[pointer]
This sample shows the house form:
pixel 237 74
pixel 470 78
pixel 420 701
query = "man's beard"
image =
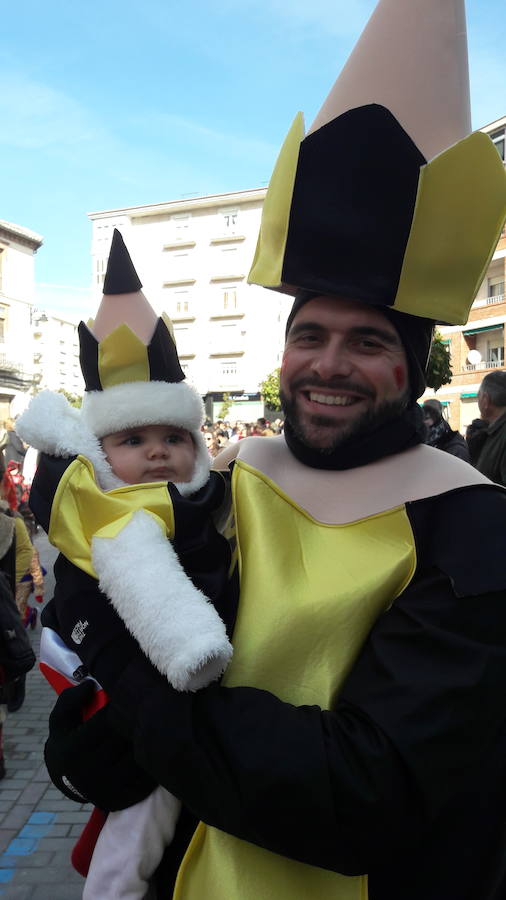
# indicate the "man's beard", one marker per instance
pixel 322 433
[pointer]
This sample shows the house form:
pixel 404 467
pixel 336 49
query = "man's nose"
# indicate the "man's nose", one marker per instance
pixel 332 359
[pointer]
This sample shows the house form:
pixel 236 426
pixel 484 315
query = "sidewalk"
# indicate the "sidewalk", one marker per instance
pixel 38 825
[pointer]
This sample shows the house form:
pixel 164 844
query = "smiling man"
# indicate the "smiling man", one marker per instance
pixel 356 746
pixel 344 372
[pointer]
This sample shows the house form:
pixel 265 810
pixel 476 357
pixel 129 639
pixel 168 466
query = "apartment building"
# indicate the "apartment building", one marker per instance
pixel 56 354
pixel 18 247
pixel 193 258
pixel 478 347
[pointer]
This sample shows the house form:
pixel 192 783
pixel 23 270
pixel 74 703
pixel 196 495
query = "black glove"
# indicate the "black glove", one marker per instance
pixel 88 761
pixel 89 624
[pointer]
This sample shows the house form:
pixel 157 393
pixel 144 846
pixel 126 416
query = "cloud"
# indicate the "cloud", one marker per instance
pixel 35 116
pixel 180 132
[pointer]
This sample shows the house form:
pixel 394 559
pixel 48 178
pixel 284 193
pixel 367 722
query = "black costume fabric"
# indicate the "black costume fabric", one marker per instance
pixel 377 791
pixel 352 241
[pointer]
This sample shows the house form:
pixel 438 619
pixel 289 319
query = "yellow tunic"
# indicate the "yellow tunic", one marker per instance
pixel 298 631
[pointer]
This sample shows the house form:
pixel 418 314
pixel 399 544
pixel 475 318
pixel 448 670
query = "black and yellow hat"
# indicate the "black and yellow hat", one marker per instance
pixel 129 359
pixel 388 199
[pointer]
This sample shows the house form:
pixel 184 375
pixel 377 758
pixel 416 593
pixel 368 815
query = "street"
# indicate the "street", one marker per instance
pixel 38 825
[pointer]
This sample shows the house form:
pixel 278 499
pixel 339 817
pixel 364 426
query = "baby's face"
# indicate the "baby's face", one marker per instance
pixel 151 453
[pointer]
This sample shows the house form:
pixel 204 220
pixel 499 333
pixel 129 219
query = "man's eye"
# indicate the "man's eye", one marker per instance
pixel 369 346
pixel 308 338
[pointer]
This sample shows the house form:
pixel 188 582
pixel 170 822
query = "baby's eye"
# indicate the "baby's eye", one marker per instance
pixel 173 438
pixel 132 441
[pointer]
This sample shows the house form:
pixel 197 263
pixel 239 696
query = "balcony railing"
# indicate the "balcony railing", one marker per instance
pixel 484 364
pixel 11 365
pixel 490 301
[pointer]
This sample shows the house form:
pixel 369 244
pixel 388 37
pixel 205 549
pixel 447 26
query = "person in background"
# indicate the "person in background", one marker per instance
pixel 14 449
pixel 16 558
pixel 491 460
pixel 439 433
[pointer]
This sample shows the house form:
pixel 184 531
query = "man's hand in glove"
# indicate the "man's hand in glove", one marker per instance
pixel 88 761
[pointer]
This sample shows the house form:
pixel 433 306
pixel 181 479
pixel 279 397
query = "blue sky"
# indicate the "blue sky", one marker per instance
pixel 107 104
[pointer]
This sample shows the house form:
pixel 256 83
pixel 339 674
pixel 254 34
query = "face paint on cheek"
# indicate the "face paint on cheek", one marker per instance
pixel 400 376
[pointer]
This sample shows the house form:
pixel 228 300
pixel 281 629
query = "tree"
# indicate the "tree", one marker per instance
pixel 439 370
pixel 225 406
pixel 73 399
pixel 269 389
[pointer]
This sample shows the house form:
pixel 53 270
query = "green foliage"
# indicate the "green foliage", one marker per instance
pixel 225 406
pixel 439 370
pixel 73 399
pixel 270 391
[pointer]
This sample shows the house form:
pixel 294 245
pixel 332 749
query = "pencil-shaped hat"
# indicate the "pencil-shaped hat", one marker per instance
pixel 388 199
pixel 129 359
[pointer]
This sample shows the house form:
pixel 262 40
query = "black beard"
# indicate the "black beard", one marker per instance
pixel 368 422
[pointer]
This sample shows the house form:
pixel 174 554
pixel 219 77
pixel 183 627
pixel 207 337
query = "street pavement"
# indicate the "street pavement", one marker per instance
pixel 38 825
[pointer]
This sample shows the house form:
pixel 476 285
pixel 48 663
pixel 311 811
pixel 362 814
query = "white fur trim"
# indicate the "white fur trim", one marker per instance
pixel 138 403
pixel 53 426
pixel 174 623
pixel 201 470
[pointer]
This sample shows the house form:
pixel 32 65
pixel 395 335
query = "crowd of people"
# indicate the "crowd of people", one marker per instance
pixel 223 433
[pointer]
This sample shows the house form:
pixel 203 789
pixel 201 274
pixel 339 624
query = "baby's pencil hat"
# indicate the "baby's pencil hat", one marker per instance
pixel 129 359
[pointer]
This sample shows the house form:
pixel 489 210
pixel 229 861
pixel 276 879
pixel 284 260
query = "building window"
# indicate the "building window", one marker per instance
pixel 229 220
pixel 499 139
pixel 495 290
pixel 495 355
pixel 181 304
pixel 229 298
pixel 3 323
pixel 228 369
pixel 2 257
pixel 181 226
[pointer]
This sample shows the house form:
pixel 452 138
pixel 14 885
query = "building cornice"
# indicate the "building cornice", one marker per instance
pixel 10 232
pixel 186 205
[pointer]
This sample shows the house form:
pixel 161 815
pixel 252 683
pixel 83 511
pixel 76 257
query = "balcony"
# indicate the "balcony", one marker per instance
pixel 483 365
pixel 495 298
pixel 13 373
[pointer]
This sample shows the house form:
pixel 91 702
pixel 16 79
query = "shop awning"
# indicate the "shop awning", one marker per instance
pixel 484 328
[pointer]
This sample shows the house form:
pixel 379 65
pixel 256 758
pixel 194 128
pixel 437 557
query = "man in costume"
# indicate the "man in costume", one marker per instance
pixel 356 746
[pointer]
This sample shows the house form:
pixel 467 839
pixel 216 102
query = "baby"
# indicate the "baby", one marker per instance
pixel 116 490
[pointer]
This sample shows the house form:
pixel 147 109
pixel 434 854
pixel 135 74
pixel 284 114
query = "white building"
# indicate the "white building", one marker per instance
pixel 18 246
pixel 56 354
pixel 193 258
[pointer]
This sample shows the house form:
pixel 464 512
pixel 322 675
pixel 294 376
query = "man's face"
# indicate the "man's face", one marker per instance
pixel 483 404
pixel 344 371
pixel 151 453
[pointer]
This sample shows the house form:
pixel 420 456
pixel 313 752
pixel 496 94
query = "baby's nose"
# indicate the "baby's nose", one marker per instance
pixel 159 448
